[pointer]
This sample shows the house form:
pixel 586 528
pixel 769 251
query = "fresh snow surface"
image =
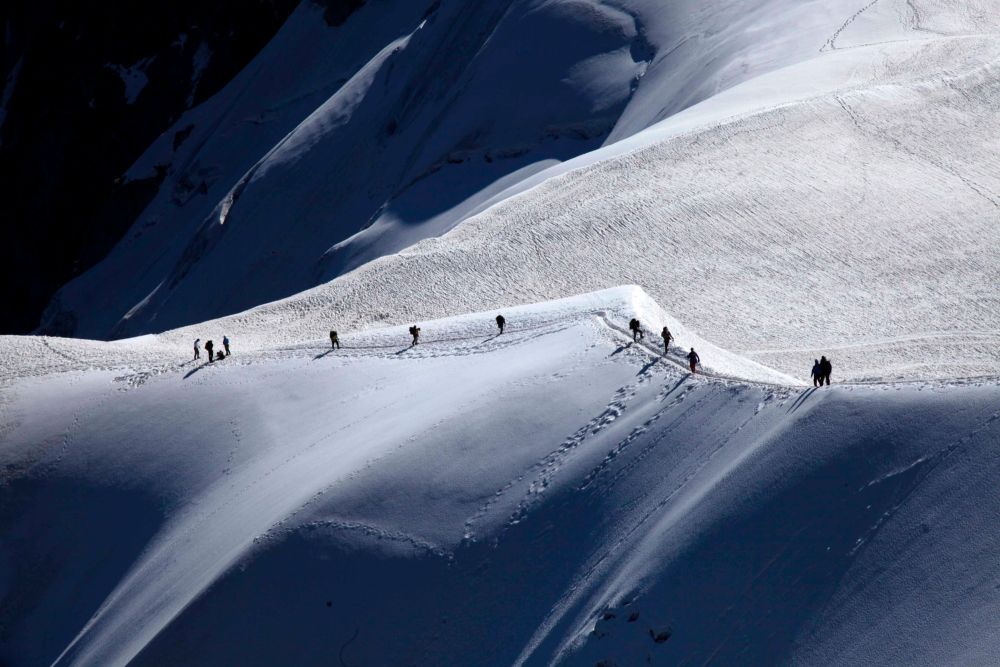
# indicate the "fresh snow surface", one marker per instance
pixel 552 495
pixel 862 223
pixel 787 179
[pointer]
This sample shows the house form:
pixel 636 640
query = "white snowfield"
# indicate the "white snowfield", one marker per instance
pixel 862 223
pixel 773 180
pixel 846 201
pixel 814 177
pixel 556 494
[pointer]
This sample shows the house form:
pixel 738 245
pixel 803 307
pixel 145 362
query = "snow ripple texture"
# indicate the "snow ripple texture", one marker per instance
pixel 842 200
pixel 862 224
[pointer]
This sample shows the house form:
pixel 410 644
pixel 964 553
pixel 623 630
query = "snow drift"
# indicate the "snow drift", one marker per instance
pixel 556 494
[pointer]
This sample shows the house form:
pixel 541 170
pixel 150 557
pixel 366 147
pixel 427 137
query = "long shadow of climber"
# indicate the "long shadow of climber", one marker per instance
pixel 195 370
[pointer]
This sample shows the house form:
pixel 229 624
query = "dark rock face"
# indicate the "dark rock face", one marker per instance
pixel 336 12
pixel 87 85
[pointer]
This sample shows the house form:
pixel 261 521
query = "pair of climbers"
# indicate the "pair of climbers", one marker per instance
pixel 210 347
pixel 692 356
pixel 821 370
pixel 415 330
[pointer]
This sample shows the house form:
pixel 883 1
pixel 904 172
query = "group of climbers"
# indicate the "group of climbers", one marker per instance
pixel 210 347
pixel 637 334
pixel 821 370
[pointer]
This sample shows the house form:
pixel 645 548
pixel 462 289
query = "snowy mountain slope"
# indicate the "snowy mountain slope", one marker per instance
pixel 335 147
pixel 861 221
pixel 860 185
pixel 85 88
pixel 552 495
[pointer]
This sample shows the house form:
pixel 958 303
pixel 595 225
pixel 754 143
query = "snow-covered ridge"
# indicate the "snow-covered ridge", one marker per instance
pixel 153 355
pixel 859 219
pixel 334 147
pixel 842 199
pixel 554 494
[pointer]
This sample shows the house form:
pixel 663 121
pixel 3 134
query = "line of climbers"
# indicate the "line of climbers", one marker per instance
pixel 821 370
pixel 209 347
pixel 637 334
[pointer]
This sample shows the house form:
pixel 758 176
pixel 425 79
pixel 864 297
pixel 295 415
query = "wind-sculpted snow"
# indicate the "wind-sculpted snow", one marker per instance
pixel 861 222
pixel 556 494
pixel 339 145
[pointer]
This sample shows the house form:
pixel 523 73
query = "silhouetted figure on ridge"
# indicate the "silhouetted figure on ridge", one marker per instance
pixel 415 332
pixel 197 349
pixel 500 322
pixel 694 359
pixel 334 340
pixel 665 334
pixel 225 344
pixel 208 348
pixel 825 369
pixel 816 373
pixel 636 329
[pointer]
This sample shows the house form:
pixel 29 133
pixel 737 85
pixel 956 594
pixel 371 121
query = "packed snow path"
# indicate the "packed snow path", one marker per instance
pixel 554 494
pixel 140 358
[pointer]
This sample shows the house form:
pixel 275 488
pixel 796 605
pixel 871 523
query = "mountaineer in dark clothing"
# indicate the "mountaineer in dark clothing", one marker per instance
pixel 500 322
pixel 825 369
pixel 636 328
pixel 816 373
pixel 665 334
pixel 694 359
pixel 334 340
pixel 208 348
pixel 415 332
pixel 225 344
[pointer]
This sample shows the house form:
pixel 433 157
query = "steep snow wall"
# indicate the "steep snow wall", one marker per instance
pixel 555 494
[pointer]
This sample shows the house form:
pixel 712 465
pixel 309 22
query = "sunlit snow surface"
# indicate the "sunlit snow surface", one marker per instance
pixel 797 179
pixel 786 178
pixel 487 499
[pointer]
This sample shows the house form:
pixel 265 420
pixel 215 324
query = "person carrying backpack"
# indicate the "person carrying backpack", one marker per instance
pixel 334 340
pixel 225 344
pixel 825 369
pixel 197 349
pixel 636 328
pixel 415 332
pixel 694 359
pixel 665 334
pixel 500 322
pixel 816 373
pixel 208 348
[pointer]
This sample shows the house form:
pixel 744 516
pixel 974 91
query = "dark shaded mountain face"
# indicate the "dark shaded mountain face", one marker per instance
pixel 87 86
